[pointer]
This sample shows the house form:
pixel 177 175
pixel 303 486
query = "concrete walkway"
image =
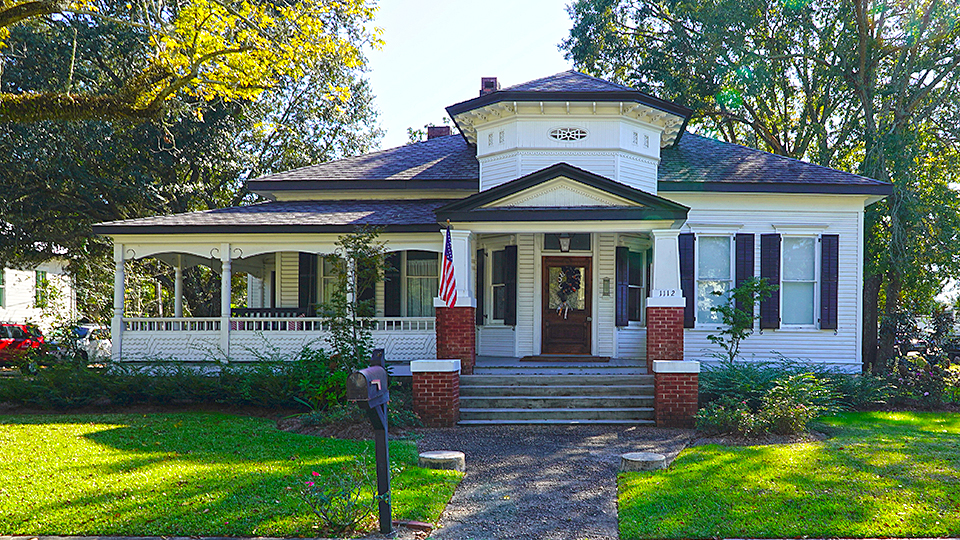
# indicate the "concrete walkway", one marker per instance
pixel 550 482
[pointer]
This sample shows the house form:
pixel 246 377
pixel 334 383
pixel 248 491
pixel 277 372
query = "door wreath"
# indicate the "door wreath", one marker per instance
pixel 569 282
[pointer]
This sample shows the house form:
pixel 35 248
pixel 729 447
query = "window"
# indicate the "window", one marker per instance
pixel 40 296
pixel 714 275
pixel 636 281
pixel 499 286
pixel 798 286
pixel 328 279
pixel 3 288
pixel 423 271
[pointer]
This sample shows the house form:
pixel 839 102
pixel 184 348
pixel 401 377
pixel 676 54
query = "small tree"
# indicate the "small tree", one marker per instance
pixel 359 265
pixel 737 315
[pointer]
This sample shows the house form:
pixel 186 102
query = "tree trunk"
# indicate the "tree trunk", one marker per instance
pixel 871 321
pixel 888 330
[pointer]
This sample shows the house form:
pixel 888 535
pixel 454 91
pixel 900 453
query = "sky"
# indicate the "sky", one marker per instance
pixel 436 51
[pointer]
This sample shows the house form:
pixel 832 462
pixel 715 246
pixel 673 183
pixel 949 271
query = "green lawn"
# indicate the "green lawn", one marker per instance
pixel 179 474
pixel 880 475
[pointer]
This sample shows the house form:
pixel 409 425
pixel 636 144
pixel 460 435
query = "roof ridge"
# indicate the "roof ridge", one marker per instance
pixel 785 158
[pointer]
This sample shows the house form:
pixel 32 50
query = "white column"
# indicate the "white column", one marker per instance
pixel 178 287
pixel 116 324
pixel 462 244
pixel 665 279
pixel 225 294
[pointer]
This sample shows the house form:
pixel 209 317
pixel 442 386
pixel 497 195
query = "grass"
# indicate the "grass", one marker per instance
pixel 191 474
pixel 880 475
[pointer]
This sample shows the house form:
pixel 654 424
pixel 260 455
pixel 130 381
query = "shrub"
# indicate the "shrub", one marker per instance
pixel 728 416
pixel 793 402
pixel 341 498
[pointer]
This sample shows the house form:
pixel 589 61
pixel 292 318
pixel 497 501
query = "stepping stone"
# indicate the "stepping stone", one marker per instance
pixel 642 461
pixel 448 460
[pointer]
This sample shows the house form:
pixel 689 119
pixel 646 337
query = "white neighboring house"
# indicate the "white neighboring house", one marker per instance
pixel 586 222
pixel 41 295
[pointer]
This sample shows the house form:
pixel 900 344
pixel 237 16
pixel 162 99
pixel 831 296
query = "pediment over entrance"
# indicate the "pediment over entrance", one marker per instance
pixel 562 192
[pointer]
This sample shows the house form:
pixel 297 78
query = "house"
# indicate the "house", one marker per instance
pixel 38 295
pixel 585 220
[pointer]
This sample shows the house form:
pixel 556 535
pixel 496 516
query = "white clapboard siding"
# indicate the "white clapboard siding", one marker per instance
pixel 526 295
pixel 632 342
pixel 289 279
pixel 497 170
pixel 638 173
pixel 605 267
pixel 19 296
pixel 497 341
pixel 839 349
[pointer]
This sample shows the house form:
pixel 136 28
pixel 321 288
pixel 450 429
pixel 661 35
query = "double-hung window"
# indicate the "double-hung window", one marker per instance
pixel 798 287
pixel 714 276
pixel 635 283
pixel 423 271
pixel 499 287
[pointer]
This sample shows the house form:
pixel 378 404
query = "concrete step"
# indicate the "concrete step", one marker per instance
pixel 555 422
pixel 472 390
pixel 532 371
pixel 583 414
pixel 555 380
pixel 556 402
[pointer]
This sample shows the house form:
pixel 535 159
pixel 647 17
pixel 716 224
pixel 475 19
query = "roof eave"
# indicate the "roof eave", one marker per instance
pixel 778 187
pixel 600 96
pixel 113 230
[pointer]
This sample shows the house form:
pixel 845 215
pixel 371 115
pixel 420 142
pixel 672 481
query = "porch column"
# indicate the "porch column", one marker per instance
pixel 116 324
pixel 178 287
pixel 456 326
pixel 225 294
pixel 675 400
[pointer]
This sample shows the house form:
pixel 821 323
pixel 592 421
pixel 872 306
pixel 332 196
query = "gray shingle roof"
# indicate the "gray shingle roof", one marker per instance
pixel 292 216
pixel 568 81
pixel 439 159
pixel 697 163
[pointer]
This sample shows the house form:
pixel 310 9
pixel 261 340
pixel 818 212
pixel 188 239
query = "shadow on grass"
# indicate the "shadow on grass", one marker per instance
pixel 177 474
pixel 881 476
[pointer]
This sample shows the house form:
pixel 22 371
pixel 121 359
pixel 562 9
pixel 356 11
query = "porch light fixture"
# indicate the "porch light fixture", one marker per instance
pixel 565 242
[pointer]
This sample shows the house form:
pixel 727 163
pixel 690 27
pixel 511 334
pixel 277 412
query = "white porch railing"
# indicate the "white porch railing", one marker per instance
pixel 250 338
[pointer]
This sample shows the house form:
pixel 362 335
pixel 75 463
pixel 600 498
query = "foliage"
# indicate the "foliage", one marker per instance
pixel 728 416
pixel 194 474
pixel 737 314
pixel 210 49
pixel 341 498
pixel 62 177
pixel 880 475
pixel 866 86
pixel 359 265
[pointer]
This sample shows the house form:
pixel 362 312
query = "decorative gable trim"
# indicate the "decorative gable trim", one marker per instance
pixel 561 192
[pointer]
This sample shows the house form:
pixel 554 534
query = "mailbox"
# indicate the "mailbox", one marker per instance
pixel 368 387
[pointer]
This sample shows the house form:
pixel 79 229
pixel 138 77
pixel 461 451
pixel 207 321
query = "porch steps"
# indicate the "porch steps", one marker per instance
pixel 524 396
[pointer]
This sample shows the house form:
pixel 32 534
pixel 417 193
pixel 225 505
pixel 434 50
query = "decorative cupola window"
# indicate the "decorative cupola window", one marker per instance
pixel 567 134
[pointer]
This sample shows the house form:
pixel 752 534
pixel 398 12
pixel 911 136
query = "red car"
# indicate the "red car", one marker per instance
pixel 15 338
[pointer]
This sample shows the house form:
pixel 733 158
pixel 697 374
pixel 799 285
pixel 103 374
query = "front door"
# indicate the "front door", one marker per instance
pixel 566 305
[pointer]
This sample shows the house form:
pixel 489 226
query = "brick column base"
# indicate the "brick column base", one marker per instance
pixel 457 336
pixel 436 391
pixel 664 334
pixel 676 393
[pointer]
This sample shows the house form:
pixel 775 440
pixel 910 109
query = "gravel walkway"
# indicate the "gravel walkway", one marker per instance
pixel 551 482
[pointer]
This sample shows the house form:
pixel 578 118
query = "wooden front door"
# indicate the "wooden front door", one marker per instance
pixel 567 299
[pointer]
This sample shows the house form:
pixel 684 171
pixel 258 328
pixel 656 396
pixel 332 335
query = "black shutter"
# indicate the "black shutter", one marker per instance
pixel 686 280
pixel 744 258
pixel 481 260
pixel 829 275
pixel 391 286
pixel 510 285
pixel 623 287
pixel 770 270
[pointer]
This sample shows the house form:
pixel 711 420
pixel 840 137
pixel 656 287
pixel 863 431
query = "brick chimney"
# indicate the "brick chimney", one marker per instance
pixel 437 131
pixel 488 85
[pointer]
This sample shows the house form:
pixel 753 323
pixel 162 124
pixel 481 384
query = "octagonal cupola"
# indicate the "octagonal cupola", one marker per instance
pixel 608 129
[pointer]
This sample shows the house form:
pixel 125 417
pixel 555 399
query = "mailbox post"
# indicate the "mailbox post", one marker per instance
pixel 368 389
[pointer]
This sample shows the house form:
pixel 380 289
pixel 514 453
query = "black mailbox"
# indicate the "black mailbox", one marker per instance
pixel 368 386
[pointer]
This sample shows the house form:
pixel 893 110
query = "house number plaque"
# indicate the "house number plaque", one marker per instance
pixel 665 293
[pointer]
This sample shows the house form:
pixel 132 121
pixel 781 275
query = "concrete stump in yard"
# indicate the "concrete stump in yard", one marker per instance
pixel 443 459
pixel 642 461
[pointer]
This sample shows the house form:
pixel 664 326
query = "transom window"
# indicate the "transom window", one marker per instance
pixel 714 275
pixel 568 134
pixel 798 280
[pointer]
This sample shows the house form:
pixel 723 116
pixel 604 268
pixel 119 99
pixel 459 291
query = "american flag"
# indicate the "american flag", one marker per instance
pixel 448 283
